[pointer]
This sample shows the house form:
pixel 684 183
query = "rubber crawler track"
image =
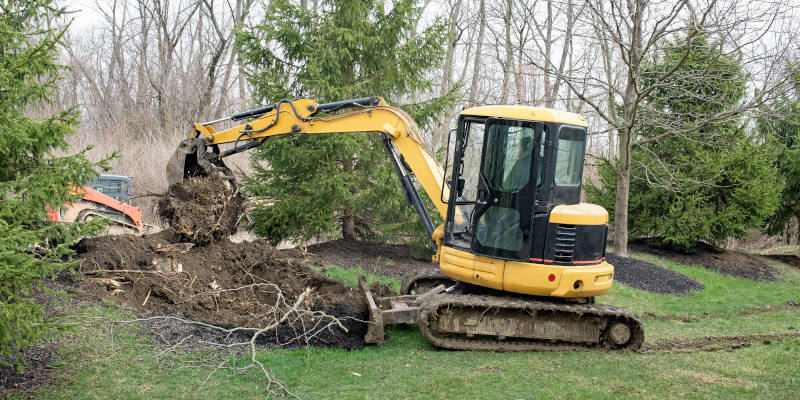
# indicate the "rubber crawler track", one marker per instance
pixel 429 311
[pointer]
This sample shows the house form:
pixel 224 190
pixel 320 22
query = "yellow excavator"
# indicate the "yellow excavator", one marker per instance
pixel 520 258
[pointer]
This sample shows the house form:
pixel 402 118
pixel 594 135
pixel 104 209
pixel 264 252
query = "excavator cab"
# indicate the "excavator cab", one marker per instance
pixel 514 172
pixel 519 217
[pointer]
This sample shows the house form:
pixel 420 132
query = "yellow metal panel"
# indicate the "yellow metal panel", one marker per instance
pixel 489 271
pixel 579 214
pixel 527 113
pixel 591 281
pixel 531 278
pixel 471 268
pixel 456 264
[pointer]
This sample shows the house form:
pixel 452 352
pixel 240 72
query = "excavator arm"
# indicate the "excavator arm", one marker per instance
pixel 397 129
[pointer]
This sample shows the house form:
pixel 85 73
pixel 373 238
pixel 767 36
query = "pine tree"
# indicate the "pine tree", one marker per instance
pixel 783 133
pixel 710 184
pixel 345 49
pixel 32 177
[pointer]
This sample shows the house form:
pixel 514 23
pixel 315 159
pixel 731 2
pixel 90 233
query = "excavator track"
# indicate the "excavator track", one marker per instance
pixel 490 323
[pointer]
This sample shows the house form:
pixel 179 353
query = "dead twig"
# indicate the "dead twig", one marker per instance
pixel 147 297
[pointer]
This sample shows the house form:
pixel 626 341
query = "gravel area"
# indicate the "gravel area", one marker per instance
pixel 650 277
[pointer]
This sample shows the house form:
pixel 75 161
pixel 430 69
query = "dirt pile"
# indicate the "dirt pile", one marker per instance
pixel 193 270
pixel 201 210
pixel 227 284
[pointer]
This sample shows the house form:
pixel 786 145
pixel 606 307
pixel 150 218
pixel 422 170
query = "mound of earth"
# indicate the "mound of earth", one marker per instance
pixel 226 284
pixel 727 262
pixel 650 277
pixel 201 210
pixel 381 258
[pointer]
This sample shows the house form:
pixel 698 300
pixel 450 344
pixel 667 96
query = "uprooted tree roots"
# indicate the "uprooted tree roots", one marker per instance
pixel 201 210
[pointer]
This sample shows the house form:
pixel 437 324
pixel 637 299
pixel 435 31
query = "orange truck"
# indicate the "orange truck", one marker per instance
pixel 105 197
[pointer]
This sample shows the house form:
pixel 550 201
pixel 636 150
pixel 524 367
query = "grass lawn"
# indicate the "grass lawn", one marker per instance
pixel 92 365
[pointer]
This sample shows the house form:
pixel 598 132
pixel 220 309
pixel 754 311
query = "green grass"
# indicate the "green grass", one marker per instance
pixel 350 276
pixel 92 365
pixel 722 293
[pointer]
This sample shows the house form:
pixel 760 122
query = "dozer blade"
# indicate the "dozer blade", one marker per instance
pixel 191 159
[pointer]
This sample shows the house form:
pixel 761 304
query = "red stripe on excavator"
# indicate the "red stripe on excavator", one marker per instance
pixel 574 262
pixel 587 262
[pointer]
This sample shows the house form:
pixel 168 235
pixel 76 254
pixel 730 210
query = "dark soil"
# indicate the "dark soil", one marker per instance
pixel 36 362
pixel 381 258
pixel 650 277
pixel 223 283
pixel 201 210
pixel 727 262
pixel 794 261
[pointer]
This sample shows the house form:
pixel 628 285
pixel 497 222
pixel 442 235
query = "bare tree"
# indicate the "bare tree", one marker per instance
pixel 476 62
pixel 147 69
pixel 454 34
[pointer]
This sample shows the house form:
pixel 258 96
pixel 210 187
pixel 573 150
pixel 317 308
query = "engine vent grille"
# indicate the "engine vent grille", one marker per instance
pixel 564 244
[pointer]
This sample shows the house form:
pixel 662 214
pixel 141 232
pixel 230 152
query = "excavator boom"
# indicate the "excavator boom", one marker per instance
pixel 306 116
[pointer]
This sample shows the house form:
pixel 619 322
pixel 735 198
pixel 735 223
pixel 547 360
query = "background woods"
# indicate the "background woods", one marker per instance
pixel 143 70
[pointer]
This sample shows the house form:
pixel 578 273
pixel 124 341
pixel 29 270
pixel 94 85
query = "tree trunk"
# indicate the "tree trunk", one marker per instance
pixel 348 224
pixel 630 102
pixel 447 71
pixel 509 63
pixel 623 192
pixel 549 99
pixel 476 66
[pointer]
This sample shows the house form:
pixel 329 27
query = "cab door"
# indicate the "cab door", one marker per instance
pixel 501 220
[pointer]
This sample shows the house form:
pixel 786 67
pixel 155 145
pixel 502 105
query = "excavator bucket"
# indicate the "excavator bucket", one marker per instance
pixel 192 159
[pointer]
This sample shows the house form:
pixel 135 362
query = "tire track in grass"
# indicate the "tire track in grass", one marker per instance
pixel 713 343
pixel 790 305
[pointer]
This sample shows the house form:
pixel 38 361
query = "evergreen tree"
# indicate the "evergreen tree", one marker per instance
pixel 342 50
pixel 32 177
pixel 783 132
pixel 709 184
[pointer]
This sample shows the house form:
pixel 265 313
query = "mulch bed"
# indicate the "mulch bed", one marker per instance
pixel 793 261
pixel 727 262
pixel 651 278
